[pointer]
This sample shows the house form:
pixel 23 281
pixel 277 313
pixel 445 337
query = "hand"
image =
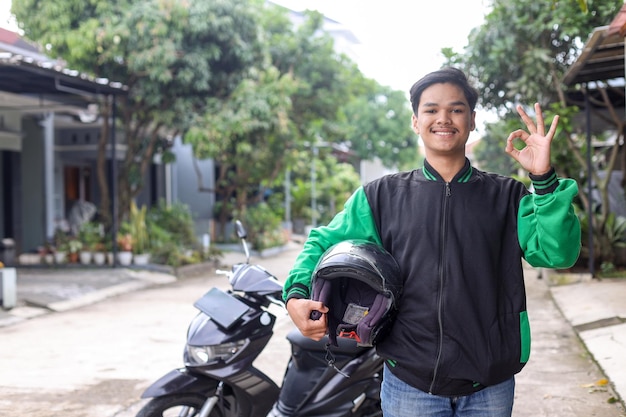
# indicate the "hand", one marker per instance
pixel 300 309
pixel 535 156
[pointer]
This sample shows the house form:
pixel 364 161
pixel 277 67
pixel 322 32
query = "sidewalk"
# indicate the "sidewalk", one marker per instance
pixel 596 309
pixel 42 290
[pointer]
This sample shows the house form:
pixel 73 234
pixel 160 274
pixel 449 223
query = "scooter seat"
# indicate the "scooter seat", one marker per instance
pixel 347 346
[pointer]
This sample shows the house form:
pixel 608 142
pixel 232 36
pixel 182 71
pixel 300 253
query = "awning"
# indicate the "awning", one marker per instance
pixel 602 58
pixel 28 76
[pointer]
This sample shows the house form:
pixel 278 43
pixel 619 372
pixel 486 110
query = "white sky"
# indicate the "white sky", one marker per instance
pixel 401 40
pixel 5 15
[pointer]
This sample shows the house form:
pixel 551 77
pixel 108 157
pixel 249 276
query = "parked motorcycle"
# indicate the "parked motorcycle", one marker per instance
pixel 226 336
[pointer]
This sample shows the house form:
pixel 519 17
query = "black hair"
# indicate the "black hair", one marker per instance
pixel 445 75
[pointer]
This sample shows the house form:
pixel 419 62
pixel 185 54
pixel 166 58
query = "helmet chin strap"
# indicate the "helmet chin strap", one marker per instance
pixel 330 358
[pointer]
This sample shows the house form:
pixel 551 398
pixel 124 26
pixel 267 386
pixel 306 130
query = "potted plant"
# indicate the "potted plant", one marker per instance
pixel 61 246
pixel 47 253
pixel 73 248
pixel 125 246
pixel 107 242
pixel 99 253
pixel 139 232
pixel 90 236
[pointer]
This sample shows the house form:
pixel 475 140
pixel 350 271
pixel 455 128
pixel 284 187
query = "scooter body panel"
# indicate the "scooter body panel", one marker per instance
pixel 179 381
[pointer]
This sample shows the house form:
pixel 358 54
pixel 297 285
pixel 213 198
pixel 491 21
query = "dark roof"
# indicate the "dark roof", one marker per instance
pixel 26 75
pixel 13 39
pixel 602 58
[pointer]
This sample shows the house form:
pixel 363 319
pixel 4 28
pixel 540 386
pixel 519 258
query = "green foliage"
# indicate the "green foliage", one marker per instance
pixel 263 226
pixel 524 48
pixel 139 229
pixel 520 55
pixel 245 136
pixel 609 234
pixel 176 220
pixel 90 235
pixel 334 182
pixel 61 240
pixel 489 152
pixel 378 124
pixel 172 238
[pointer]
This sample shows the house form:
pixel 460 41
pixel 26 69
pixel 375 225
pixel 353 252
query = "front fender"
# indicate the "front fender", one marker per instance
pixel 180 381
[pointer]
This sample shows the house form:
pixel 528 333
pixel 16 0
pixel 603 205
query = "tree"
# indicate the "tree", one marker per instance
pixel 336 182
pixel 244 135
pixel 521 53
pixel 378 124
pixel 236 79
pixel 293 98
pixel 172 56
pixel 489 152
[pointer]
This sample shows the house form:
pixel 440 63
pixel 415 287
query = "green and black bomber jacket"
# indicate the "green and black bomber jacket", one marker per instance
pixel 462 322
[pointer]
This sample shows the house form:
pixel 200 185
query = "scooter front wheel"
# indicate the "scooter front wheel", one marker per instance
pixel 186 405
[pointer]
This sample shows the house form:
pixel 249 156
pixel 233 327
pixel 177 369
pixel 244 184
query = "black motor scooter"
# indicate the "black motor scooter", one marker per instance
pixel 227 335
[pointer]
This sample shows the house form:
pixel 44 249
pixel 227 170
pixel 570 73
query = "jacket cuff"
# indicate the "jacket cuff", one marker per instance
pixel 296 291
pixel 546 183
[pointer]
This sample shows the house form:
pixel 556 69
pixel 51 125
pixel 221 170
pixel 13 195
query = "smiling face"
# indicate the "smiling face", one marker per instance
pixel 444 120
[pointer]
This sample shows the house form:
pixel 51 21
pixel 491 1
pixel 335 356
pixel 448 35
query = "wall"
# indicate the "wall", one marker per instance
pixel 185 186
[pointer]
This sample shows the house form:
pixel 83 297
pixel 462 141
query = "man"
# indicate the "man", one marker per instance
pixel 459 235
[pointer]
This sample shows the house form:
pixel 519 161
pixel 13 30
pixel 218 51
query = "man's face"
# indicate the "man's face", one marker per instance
pixel 443 120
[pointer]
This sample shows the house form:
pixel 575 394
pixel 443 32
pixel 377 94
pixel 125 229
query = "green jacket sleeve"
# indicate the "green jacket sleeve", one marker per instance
pixel 353 222
pixel 548 228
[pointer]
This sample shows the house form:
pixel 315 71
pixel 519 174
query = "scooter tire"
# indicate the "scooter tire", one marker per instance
pixel 174 405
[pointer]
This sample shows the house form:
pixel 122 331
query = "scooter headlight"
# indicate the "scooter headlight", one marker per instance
pixel 203 355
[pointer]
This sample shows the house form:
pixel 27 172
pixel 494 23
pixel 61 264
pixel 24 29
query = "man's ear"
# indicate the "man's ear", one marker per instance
pixel 414 125
pixel 473 122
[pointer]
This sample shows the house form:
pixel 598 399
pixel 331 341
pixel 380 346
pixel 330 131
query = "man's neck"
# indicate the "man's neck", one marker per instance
pixel 447 167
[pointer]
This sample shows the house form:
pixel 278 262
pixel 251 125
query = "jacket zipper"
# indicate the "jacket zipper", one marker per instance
pixel 444 229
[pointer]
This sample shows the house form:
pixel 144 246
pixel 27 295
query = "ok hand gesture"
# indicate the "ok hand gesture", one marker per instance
pixel 535 156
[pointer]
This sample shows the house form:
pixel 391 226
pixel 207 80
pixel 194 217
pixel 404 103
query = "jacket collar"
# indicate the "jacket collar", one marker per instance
pixel 463 175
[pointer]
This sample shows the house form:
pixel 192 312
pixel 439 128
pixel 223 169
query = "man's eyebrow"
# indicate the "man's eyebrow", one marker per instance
pixel 453 103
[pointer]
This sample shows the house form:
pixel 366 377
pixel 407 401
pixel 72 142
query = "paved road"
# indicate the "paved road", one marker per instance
pixel 96 360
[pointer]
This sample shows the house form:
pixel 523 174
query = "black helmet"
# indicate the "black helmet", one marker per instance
pixel 360 283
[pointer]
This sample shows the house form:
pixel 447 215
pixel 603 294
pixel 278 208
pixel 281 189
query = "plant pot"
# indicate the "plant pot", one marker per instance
pixel 125 257
pixel 73 257
pixel 141 258
pixel 60 257
pixel 110 259
pixel 85 257
pixel 99 258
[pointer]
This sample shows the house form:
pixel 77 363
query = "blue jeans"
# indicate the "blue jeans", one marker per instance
pixel 399 399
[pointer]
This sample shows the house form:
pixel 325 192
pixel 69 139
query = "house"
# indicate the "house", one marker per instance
pixel 49 129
